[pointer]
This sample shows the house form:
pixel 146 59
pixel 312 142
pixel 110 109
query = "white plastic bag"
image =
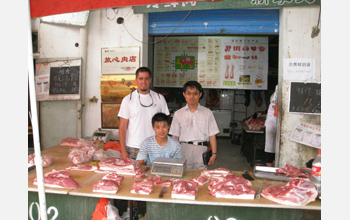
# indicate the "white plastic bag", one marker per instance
pixel 112 213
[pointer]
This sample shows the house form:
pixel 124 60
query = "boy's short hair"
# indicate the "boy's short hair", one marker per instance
pixel 143 69
pixel 192 84
pixel 160 116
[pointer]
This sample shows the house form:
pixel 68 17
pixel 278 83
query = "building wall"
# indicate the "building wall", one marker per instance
pixel 104 31
pixel 295 42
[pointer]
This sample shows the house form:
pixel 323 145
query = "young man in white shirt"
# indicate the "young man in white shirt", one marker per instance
pixel 195 127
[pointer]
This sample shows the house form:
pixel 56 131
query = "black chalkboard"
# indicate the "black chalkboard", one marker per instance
pixel 305 97
pixel 64 80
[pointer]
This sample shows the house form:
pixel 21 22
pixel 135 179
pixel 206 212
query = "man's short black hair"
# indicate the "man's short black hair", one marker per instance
pixel 160 116
pixel 192 84
pixel 144 69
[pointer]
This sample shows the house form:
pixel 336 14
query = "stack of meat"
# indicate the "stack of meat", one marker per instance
pixel 84 153
pixel 232 187
pixel 46 159
pixel 184 189
pixel 110 183
pixel 292 171
pixel 297 192
pixel 143 187
pixel 121 166
pixel 59 179
pixel 201 180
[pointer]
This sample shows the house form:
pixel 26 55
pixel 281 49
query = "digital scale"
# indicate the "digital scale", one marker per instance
pixel 168 167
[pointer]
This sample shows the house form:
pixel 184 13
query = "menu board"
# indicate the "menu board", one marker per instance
pixel 215 62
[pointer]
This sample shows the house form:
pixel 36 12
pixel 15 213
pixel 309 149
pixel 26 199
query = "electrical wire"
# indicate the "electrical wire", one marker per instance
pixel 166 36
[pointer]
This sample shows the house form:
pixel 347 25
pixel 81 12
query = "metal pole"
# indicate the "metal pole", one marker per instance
pixel 35 124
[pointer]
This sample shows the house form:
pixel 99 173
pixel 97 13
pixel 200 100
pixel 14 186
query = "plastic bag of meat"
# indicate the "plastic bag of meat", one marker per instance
pixel 297 192
pixel 219 172
pixel 184 189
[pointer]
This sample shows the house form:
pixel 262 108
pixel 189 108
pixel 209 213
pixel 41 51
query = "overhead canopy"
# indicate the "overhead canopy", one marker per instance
pixel 40 8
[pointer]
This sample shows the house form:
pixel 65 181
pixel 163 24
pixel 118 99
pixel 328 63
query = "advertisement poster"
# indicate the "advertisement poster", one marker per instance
pixel 307 134
pixel 120 60
pixel 215 62
pixel 115 87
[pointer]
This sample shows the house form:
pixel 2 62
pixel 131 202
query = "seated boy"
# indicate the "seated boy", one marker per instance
pixel 160 145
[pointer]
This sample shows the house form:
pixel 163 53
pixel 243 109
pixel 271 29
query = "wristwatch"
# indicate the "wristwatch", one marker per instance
pixel 215 153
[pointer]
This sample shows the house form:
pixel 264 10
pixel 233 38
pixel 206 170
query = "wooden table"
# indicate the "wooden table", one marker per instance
pixel 68 201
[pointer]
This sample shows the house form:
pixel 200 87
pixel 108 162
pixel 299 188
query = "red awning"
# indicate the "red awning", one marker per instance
pixel 40 8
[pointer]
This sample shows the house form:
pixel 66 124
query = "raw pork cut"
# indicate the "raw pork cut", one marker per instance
pixel 140 175
pixel 201 180
pixel 164 183
pixel 219 172
pixel 110 183
pixel 292 171
pixel 184 189
pixel 74 142
pixel 142 187
pixel 297 192
pixel 105 186
pixel 46 159
pixel 83 167
pixel 59 179
pixel 232 187
pixel 121 166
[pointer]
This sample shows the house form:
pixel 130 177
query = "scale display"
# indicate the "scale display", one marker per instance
pixel 168 167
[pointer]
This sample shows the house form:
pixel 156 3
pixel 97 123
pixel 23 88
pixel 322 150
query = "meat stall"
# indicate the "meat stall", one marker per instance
pixel 80 203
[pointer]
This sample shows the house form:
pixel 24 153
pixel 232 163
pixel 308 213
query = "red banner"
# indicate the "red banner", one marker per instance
pixel 40 8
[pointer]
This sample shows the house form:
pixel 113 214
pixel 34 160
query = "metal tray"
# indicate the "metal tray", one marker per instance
pixel 270 173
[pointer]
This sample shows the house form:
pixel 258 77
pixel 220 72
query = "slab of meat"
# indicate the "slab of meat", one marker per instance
pixel 83 167
pixel 59 179
pixel 70 142
pixel 292 171
pixel 201 180
pixel 142 187
pixel 110 183
pixel 297 192
pixel 219 172
pixel 47 159
pixel 232 187
pixel 184 189
pixel 105 186
pixel 73 142
pixel 121 166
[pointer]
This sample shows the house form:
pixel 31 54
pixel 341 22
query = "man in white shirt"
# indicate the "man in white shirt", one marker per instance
pixel 136 112
pixel 195 126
